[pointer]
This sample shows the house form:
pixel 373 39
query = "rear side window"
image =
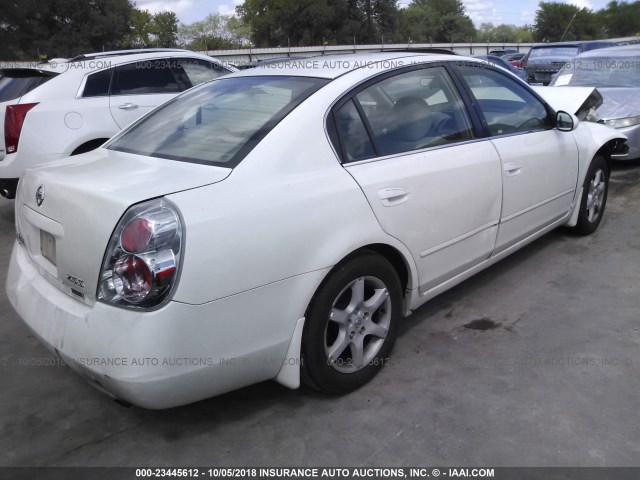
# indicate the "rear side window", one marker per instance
pixel 145 77
pixel 409 111
pixel 553 52
pixel 97 84
pixel 16 83
pixel 218 123
pixel 356 144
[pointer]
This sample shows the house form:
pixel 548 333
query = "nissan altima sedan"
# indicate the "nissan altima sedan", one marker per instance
pixel 280 222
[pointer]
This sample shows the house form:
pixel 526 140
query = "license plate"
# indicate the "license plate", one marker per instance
pixel 48 246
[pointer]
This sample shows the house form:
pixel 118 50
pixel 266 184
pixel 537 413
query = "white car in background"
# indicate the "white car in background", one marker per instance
pixel 67 107
pixel 278 223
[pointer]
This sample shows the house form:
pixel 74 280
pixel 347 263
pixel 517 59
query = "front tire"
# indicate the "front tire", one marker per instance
pixel 594 196
pixel 351 325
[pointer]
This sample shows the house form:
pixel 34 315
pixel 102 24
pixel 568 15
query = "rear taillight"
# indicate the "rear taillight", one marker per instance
pixel 140 267
pixel 13 121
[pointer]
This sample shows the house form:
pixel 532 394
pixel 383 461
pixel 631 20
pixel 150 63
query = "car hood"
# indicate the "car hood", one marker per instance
pixel 576 100
pixel 84 199
pixel 619 103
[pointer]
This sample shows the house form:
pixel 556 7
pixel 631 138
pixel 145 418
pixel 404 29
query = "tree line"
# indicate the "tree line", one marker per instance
pixel 63 28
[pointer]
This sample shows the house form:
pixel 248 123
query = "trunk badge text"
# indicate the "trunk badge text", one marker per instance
pixel 75 281
pixel 40 195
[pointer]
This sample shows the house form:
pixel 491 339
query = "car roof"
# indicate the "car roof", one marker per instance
pixel 334 66
pixel 621 51
pixel 93 61
pixel 572 44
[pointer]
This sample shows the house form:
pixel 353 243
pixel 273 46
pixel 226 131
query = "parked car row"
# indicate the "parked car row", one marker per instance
pixel 65 108
pixel 278 223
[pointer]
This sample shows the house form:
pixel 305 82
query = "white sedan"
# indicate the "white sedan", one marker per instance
pixel 279 223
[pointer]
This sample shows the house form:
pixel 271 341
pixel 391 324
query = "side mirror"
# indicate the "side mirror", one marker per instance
pixel 565 122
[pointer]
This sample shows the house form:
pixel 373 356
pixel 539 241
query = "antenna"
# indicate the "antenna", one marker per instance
pixel 568 25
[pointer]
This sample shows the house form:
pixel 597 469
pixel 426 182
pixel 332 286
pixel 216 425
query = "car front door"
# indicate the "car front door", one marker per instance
pixel 408 141
pixel 539 163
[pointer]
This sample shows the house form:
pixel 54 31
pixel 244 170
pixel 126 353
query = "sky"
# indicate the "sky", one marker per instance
pixel 513 12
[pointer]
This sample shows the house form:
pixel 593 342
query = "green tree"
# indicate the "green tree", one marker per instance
pixel 524 34
pixel 560 21
pixel 141 30
pixel 438 21
pixel 216 31
pixel 310 22
pixel 620 19
pixel 165 30
pixel 64 28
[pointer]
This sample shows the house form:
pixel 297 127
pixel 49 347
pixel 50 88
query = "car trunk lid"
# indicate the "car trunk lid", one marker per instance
pixel 66 213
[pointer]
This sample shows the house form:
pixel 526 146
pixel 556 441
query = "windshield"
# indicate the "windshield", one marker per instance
pixel 16 83
pixel 553 52
pixel 600 72
pixel 217 123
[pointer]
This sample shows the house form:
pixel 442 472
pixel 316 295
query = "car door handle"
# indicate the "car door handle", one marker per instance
pixel 511 169
pixel 390 197
pixel 128 106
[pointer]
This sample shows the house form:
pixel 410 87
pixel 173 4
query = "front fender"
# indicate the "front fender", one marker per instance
pixel 591 139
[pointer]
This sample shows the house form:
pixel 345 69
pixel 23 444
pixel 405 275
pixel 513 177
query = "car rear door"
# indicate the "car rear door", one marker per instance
pixel 139 87
pixel 408 140
pixel 539 163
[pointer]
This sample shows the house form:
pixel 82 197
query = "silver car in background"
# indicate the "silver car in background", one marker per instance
pixel 615 72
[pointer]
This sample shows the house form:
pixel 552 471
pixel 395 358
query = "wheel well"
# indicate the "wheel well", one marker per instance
pixel 611 147
pixel 392 255
pixel 88 146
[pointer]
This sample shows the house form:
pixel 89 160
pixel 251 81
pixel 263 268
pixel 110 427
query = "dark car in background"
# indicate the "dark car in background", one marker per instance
pixel 615 72
pixel 513 57
pixel 544 61
pixel 499 62
pixel 504 51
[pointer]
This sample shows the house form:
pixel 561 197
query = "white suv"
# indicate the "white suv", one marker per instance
pixel 68 107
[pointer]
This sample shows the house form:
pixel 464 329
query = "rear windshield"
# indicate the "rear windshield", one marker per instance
pixel 553 52
pixel 16 83
pixel 217 123
pixel 600 72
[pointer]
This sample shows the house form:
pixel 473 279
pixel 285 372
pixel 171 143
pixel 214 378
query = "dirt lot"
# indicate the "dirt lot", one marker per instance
pixel 549 376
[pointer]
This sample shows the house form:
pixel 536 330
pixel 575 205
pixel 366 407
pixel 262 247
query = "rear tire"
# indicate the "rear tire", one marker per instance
pixel 351 324
pixel 594 196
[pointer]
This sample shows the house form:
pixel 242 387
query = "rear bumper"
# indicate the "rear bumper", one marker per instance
pixel 160 359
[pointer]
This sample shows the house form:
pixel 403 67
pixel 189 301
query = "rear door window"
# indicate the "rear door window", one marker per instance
pixel 144 77
pixel 408 111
